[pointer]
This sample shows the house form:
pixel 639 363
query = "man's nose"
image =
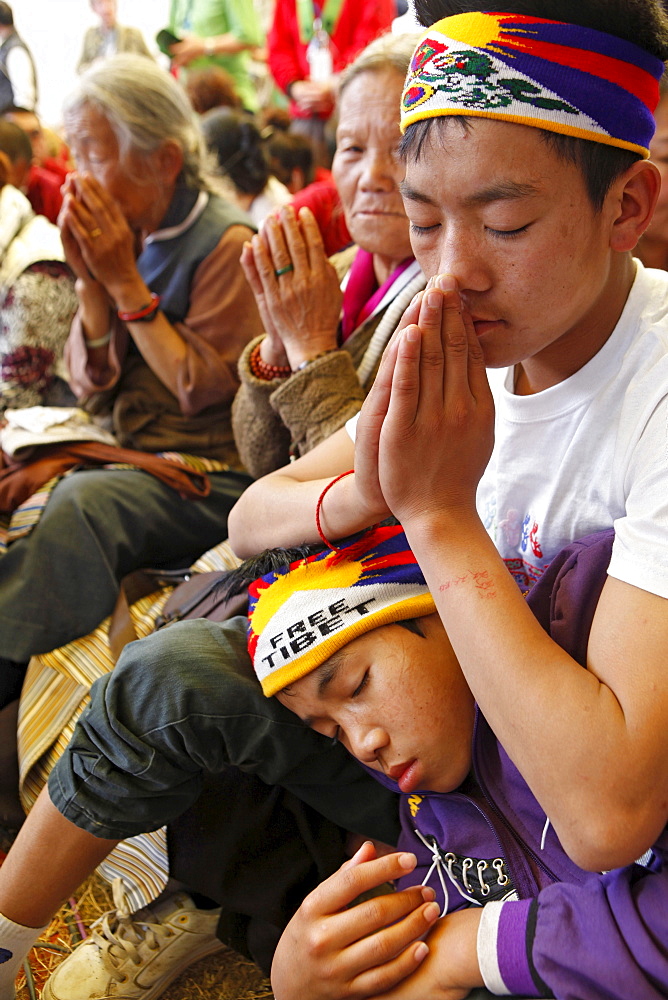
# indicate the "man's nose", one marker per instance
pixel 462 256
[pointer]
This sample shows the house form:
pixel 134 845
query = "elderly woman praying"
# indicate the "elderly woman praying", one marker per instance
pixel 164 312
pixel 327 322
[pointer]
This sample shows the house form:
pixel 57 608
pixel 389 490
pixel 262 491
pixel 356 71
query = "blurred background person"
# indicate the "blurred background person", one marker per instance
pixel 18 78
pixel 164 312
pixel 211 87
pixel 41 187
pixel 291 159
pixel 309 43
pixel 31 124
pixel 222 33
pixel 109 37
pixel 46 174
pixel 37 301
pixel 238 147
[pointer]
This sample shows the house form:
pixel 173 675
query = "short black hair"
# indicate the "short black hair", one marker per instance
pixel 14 142
pixel 643 22
pixel 6 15
pixel 270 561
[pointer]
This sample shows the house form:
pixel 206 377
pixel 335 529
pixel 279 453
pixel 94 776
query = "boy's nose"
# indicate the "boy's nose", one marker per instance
pixel 464 260
pixel 367 742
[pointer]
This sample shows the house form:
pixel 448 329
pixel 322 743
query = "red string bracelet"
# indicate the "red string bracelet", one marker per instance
pixel 143 315
pixel 318 507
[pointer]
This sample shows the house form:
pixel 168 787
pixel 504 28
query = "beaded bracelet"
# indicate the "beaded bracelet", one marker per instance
pixel 263 370
pixel 143 315
pixel 318 509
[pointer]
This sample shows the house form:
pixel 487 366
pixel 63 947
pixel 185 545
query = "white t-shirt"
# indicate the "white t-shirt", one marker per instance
pixel 589 453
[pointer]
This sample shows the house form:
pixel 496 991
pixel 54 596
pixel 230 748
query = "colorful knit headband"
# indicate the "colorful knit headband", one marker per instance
pixel 527 70
pixel 301 615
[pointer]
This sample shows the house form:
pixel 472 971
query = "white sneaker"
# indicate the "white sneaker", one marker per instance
pixel 135 956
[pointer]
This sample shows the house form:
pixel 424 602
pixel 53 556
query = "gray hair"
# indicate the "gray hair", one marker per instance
pixel 144 106
pixel 388 52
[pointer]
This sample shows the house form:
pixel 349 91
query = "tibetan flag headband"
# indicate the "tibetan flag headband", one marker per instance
pixel 302 614
pixel 552 75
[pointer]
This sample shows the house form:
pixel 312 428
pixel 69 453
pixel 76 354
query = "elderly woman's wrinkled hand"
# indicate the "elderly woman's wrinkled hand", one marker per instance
pixel 98 242
pixel 71 246
pixel 296 288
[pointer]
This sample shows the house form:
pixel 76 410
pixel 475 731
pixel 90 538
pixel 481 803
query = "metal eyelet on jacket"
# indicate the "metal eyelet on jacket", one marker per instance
pixel 501 877
pixel 467 863
pixel 484 888
pixel 460 869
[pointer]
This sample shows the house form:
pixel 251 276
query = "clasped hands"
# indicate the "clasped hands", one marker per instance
pixel 295 286
pixel 332 950
pixel 426 430
pixel 98 243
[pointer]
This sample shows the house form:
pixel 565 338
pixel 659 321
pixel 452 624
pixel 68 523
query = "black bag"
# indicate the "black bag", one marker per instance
pixel 201 596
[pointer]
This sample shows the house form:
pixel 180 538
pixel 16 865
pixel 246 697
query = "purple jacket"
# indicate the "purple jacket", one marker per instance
pixel 552 929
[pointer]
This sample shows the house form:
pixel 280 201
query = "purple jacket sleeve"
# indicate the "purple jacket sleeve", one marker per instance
pixel 606 939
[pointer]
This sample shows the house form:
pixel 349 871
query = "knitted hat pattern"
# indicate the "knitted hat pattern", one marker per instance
pixel 531 71
pixel 300 615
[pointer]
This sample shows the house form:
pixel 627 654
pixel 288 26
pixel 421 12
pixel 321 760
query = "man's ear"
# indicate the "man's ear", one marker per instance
pixel 634 195
pixel 170 160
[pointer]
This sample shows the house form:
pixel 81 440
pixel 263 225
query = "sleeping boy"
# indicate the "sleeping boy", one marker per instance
pixel 350 641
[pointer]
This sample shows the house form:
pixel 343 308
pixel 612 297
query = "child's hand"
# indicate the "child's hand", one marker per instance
pixel 450 970
pixel 328 952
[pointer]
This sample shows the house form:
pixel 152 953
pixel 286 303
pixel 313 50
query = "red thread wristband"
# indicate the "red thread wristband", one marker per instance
pixel 143 315
pixel 318 507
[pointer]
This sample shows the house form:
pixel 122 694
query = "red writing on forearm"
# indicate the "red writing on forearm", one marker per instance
pixel 482 581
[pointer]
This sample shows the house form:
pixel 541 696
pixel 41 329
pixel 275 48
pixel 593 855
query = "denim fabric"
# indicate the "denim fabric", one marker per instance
pixel 184 702
pixel 61 580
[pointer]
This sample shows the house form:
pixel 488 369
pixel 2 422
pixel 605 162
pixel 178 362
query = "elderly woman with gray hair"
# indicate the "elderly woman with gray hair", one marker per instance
pixel 164 312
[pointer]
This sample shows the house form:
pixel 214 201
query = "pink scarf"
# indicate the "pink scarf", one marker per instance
pixel 362 294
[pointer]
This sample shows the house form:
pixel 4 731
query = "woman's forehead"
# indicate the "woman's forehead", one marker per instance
pixel 369 91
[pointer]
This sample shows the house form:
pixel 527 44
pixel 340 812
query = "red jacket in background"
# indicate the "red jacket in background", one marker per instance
pixel 360 21
pixel 44 193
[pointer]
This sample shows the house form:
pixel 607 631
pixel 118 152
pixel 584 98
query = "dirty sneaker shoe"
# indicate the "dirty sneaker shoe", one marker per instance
pixel 135 956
